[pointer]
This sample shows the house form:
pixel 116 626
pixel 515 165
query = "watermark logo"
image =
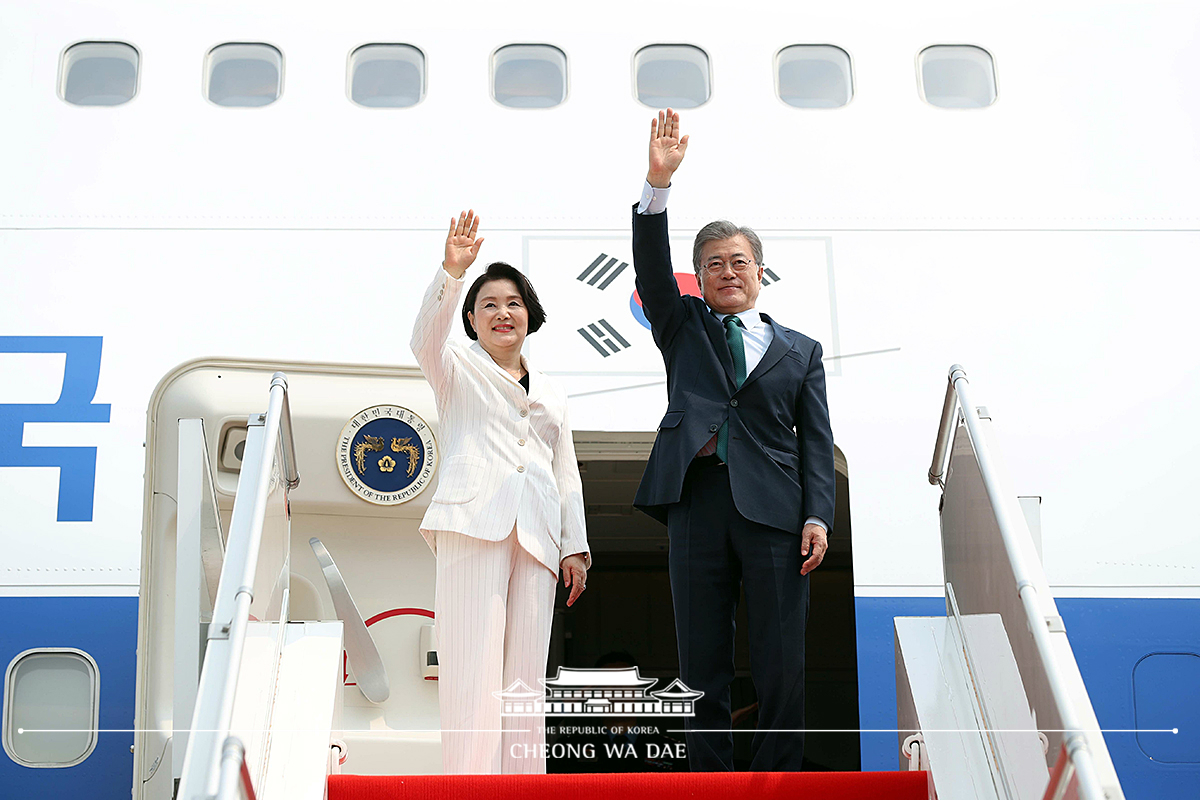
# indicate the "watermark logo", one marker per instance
pixel 598 692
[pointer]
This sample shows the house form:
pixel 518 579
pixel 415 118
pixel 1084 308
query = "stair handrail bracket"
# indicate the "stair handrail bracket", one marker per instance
pixel 937 469
pixel 1014 533
pixel 291 472
pixel 268 465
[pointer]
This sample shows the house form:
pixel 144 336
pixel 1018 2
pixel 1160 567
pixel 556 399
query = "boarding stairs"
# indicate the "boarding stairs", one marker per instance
pixel 990 701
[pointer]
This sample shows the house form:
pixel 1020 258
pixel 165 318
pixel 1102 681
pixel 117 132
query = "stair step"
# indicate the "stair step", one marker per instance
pixel 634 786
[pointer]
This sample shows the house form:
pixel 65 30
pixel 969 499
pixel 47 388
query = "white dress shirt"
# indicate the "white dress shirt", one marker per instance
pixel 654 201
pixel 756 337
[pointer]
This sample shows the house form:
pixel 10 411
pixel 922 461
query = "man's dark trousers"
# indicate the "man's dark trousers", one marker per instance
pixel 712 548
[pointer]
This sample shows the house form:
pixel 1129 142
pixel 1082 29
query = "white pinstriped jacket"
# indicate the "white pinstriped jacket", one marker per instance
pixel 506 456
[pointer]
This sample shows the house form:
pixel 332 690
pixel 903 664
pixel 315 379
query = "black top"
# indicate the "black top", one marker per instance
pixel 525 382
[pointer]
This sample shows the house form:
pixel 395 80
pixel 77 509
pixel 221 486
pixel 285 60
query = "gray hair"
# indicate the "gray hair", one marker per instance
pixel 719 231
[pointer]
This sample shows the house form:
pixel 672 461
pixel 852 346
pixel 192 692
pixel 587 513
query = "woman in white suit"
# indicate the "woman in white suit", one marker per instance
pixel 508 513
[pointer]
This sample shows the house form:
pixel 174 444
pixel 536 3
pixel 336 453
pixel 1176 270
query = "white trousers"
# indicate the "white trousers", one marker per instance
pixel 493 609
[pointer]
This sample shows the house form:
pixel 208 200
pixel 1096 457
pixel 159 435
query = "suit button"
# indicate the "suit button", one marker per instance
pixel 524 413
pixel 520 469
pixel 521 442
pixel 733 402
pixel 714 428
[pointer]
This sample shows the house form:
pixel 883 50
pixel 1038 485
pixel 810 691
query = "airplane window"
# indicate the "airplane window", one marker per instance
pixel 675 75
pixel 51 707
pixel 813 76
pixel 529 76
pixel 98 74
pixel 956 76
pixel 387 76
pixel 243 75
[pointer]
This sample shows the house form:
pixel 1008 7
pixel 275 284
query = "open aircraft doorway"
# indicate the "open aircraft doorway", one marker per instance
pixel 628 607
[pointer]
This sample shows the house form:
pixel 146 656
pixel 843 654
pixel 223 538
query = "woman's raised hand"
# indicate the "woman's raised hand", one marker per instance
pixel 461 244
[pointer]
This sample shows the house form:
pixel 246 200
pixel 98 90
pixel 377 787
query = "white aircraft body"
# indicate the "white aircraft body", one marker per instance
pixel 174 229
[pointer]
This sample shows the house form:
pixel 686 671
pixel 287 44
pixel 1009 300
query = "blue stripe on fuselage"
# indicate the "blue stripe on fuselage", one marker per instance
pixel 1110 636
pixel 106 629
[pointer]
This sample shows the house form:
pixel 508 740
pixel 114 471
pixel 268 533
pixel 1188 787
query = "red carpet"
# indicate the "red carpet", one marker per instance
pixel 634 786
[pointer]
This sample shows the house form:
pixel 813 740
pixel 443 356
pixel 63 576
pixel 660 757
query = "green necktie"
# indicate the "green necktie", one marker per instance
pixel 733 335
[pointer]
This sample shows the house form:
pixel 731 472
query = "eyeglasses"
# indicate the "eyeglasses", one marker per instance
pixel 739 265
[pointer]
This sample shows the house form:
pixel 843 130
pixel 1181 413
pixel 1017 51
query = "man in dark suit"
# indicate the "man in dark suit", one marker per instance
pixel 741 472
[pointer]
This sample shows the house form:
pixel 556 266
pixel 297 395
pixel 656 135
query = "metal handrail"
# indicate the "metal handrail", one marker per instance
pixel 235 774
pixel 231 612
pixel 278 411
pixel 958 394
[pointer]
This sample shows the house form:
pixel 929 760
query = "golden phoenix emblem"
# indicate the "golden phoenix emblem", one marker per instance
pixel 371 444
pixel 406 446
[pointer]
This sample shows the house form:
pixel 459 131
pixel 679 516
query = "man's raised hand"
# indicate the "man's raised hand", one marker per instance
pixel 461 244
pixel 666 149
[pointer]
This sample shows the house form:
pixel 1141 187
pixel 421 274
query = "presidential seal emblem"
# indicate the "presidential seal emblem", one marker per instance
pixel 386 455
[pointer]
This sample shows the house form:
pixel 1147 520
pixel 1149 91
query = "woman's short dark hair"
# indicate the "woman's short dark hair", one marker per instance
pixel 498 271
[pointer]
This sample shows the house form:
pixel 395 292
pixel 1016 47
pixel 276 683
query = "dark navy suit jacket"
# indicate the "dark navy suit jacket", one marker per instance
pixel 780 443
